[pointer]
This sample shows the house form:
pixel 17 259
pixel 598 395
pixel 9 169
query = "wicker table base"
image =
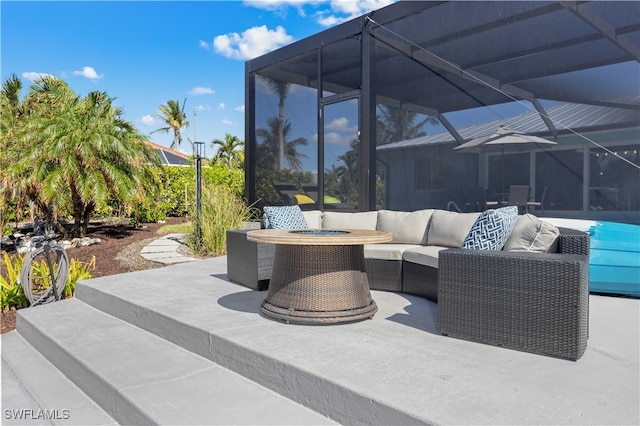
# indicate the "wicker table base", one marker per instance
pixel 319 285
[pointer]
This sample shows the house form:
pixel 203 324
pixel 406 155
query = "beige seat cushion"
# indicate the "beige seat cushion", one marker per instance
pixel 533 235
pixel 387 251
pixel 343 220
pixel 313 218
pixel 449 229
pixel 406 227
pixel 424 255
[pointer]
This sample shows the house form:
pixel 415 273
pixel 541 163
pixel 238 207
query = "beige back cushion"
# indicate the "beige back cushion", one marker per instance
pixel 449 229
pixel 313 218
pixel 533 234
pixel 343 220
pixel 406 227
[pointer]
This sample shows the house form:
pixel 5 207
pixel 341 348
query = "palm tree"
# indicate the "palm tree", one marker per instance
pixel 175 119
pixel 268 150
pixel 395 124
pixel 11 114
pixel 227 152
pixel 19 125
pixel 347 173
pixel 281 88
pixel 81 151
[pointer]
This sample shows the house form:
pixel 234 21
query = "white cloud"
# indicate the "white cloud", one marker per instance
pixel 276 4
pixel 196 91
pixel 203 108
pixel 33 76
pixel 239 108
pixel 329 13
pixel 336 138
pixel 329 21
pixel 88 72
pixel 148 120
pixel 280 6
pixel 204 44
pixel 228 122
pixel 340 125
pixel 251 43
pixel 221 105
pixel 344 10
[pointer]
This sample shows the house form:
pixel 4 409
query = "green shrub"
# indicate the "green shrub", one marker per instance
pixel 78 270
pixel 222 209
pixel 11 294
pixel 173 193
pixel 149 211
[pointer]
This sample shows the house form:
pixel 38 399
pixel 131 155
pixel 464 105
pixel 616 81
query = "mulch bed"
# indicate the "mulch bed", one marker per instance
pixel 117 253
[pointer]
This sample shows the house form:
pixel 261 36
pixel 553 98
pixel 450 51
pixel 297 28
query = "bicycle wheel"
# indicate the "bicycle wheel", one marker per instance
pixel 42 268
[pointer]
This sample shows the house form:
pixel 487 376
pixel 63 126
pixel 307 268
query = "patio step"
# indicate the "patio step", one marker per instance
pixel 202 312
pixel 136 377
pixel 34 391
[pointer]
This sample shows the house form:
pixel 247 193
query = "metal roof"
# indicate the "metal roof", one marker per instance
pixel 579 118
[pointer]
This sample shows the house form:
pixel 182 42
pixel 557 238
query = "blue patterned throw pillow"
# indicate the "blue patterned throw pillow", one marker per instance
pixel 492 229
pixel 285 217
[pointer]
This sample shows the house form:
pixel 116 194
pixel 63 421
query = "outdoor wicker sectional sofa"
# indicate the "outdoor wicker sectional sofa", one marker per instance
pixel 535 299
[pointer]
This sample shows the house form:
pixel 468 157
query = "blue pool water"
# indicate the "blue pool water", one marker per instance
pixel 614 261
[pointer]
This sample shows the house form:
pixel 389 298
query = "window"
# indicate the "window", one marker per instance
pixel 613 181
pixel 561 173
pixel 423 173
pixel 429 174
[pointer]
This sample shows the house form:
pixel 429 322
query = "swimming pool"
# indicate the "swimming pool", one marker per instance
pixel 614 261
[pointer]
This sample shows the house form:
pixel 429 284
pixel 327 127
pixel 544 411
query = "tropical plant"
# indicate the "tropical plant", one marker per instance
pixel 173 116
pixel 222 209
pixel 266 152
pixel 345 176
pixel 78 270
pixel 281 88
pixel 394 124
pixel 173 191
pixel 73 154
pixel 11 293
pixel 89 153
pixel 228 153
pixel 17 186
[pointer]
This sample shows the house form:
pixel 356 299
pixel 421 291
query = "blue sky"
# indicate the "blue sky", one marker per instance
pixel 147 52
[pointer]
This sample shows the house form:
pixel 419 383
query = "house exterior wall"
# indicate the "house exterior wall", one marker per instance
pixel 585 179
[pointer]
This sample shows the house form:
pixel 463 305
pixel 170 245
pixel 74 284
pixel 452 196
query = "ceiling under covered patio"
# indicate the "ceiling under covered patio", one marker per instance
pixel 356 104
pixel 455 56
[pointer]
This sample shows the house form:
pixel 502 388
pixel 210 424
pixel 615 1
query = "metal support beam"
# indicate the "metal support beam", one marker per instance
pixel 545 118
pixel 450 128
pixel 583 12
pixel 367 124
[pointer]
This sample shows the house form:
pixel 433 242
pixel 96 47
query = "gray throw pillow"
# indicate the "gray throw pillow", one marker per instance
pixel 534 235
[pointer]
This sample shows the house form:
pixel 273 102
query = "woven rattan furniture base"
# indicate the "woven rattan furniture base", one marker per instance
pixel 322 283
pixel 248 263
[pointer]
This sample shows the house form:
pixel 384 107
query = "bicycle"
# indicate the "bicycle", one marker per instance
pixel 44 273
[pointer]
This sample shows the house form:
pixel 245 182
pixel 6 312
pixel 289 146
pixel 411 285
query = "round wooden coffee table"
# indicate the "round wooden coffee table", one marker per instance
pixel 318 274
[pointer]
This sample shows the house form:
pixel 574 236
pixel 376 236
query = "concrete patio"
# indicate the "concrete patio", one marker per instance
pixel 183 345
